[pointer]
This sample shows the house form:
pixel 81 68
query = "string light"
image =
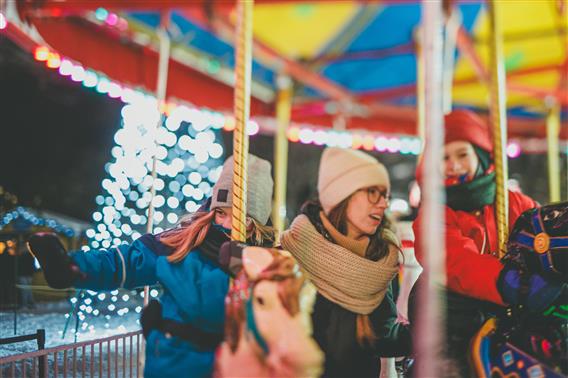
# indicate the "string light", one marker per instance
pixel 513 150
pixel 202 118
pixel 53 60
pixel 30 219
pixel 3 21
pixel 41 53
pixel 110 19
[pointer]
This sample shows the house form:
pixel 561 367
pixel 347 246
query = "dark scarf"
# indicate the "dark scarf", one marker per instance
pixel 218 248
pixel 212 243
pixel 473 195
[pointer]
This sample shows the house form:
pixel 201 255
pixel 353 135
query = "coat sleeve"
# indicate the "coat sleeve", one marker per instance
pixel 467 271
pixel 393 339
pixel 128 265
pixel 519 203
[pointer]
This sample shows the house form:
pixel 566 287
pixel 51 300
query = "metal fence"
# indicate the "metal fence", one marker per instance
pixel 115 356
pixel 39 337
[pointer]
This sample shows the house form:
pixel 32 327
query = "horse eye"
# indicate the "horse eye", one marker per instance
pixel 260 301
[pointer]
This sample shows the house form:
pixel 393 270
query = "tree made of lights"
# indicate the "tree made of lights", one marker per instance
pixel 189 152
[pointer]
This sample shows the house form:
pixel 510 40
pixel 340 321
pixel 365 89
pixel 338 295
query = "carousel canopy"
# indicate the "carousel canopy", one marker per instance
pixel 350 61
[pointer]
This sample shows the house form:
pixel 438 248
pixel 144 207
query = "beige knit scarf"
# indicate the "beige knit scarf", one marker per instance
pixel 342 276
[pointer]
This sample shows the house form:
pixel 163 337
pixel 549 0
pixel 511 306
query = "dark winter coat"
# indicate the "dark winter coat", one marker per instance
pixel 335 332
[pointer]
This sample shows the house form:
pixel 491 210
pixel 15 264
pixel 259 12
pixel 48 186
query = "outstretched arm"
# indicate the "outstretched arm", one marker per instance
pixel 128 265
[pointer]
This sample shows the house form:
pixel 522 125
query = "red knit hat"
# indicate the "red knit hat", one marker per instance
pixel 463 125
pixel 467 126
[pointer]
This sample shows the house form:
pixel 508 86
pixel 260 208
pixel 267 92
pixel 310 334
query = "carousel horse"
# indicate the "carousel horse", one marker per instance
pixel 267 326
pixel 524 343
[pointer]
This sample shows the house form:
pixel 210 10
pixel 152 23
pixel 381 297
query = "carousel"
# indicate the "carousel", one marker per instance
pixel 375 76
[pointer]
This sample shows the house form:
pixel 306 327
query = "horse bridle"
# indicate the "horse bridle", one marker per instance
pixel 251 323
pixel 250 318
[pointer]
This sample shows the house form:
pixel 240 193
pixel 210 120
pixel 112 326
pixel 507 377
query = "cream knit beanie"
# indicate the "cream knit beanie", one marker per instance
pixel 259 188
pixel 344 171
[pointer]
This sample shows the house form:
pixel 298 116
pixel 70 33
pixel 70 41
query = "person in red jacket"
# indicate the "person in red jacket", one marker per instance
pixel 478 284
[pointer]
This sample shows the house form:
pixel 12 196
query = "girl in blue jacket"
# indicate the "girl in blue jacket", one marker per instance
pixel 184 328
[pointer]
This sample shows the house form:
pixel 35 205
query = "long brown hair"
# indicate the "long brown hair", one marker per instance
pixel 380 242
pixel 379 247
pixel 192 232
pixel 188 235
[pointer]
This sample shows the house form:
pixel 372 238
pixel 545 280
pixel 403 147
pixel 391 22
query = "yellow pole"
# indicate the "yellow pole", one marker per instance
pixel 498 113
pixel 283 110
pixel 552 138
pixel 243 68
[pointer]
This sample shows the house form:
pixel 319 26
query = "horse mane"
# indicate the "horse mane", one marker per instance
pixel 284 270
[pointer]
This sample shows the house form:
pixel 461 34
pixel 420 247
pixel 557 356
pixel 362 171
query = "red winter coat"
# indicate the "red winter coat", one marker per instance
pixel 468 271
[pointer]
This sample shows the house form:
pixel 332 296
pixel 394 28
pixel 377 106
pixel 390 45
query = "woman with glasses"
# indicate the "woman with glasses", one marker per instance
pixel 344 243
pixel 184 328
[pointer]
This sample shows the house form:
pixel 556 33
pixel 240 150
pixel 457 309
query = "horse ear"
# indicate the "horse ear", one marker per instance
pixel 255 260
pixel 282 252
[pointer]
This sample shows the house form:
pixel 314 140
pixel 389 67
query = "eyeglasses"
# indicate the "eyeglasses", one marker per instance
pixel 374 195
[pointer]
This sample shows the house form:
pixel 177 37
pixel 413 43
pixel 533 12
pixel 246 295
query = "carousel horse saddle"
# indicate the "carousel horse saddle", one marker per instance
pixel 523 343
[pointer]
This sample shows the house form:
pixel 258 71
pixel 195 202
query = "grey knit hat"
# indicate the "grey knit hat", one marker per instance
pixel 259 188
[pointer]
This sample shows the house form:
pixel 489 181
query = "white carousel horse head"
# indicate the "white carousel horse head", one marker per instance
pixel 266 333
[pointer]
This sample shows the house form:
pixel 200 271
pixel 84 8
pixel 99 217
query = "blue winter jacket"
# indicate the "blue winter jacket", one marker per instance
pixel 194 292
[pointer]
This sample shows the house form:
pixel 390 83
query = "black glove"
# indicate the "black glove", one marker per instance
pixel 231 256
pixel 534 291
pixel 151 317
pixel 58 268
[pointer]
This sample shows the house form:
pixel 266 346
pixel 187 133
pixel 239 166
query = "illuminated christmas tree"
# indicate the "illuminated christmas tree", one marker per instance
pixel 189 157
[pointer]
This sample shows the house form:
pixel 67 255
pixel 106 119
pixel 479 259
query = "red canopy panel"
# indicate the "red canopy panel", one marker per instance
pixel 137 66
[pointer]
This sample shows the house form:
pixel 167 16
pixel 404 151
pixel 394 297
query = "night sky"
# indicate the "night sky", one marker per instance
pixel 55 135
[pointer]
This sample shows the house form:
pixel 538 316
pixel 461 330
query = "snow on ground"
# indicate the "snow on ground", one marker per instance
pixel 52 318
pixel 110 358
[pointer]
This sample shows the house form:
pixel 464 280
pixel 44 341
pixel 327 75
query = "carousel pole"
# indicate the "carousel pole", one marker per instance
pixel 552 138
pixel 243 68
pixel 420 92
pixel 162 80
pixel 498 112
pixel 163 60
pixel 453 22
pixel 283 110
pixel 430 318
pixel 553 107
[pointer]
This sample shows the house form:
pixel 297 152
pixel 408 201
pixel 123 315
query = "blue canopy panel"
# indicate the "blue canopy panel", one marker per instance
pixel 201 39
pixel 393 26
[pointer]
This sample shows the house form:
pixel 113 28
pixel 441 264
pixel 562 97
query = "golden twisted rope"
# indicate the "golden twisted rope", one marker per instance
pixel 498 114
pixel 243 69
